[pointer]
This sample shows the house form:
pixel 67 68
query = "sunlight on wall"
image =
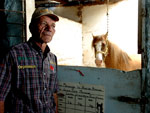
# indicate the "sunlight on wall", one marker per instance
pixel 123 26
pixel 67 42
pixel 30 7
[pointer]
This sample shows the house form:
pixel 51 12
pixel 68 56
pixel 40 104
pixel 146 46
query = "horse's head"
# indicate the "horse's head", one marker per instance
pixel 100 44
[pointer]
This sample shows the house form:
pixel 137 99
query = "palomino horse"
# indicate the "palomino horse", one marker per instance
pixel 112 56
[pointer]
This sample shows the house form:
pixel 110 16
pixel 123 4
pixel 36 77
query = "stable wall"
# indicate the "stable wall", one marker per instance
pixel 67 42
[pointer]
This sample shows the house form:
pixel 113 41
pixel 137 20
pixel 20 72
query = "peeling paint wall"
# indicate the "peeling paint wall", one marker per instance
pixel 146 51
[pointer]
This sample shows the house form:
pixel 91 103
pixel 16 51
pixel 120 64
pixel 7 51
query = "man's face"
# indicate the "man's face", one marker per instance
pixel 45 28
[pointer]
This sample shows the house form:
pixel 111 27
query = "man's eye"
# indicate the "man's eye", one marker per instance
pixel 44 23
pixel 53 26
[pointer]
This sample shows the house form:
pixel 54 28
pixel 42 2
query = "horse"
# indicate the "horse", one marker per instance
pixel 112 56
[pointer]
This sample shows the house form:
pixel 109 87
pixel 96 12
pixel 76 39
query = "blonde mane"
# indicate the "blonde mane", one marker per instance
pixel 116 57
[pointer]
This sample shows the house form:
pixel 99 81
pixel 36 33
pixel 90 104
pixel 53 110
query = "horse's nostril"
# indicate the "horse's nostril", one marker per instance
pixel 98 62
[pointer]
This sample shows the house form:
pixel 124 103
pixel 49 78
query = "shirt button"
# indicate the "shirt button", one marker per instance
pixel 44 73
pixel 45 89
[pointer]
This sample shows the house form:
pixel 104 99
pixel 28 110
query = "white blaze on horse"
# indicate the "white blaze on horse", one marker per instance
pixel 112 56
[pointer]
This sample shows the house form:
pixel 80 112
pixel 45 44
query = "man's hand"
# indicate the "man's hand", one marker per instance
pixel 1 106
pixel 56 101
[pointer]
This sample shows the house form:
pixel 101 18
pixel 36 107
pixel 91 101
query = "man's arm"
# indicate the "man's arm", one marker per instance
pixel 1 106
pixel 56 101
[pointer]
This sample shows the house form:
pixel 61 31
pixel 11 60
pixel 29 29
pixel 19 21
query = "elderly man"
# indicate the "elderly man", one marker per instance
pixel 28 74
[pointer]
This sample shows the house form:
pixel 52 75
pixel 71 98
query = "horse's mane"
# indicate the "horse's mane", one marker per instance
pixel 119 57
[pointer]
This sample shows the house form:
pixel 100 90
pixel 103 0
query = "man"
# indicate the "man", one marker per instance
pixel 28 74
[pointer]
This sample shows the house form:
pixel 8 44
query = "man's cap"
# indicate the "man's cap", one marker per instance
pixel 43 11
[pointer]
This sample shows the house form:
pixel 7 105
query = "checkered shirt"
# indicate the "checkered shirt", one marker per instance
pixel 28 79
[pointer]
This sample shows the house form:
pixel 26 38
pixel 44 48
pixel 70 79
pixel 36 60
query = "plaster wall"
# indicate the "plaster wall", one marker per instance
pixel 67 42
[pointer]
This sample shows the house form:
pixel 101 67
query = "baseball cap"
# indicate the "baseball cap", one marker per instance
pixel 44 11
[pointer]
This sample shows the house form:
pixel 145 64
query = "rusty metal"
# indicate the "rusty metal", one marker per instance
pixel 79 13
pixel 85 2
pixel 140 15
pixel 145 12
pixel 131 100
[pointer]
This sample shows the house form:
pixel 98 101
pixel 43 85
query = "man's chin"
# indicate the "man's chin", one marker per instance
pixel 47 41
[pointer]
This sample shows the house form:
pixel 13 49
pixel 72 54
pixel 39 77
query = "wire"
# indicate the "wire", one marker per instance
pixel 107 18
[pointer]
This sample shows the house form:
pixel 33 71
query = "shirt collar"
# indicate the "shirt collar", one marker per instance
pixel 32 43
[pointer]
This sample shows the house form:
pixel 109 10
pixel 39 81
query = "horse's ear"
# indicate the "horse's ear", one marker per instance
pixel 106 35
pixel 93 40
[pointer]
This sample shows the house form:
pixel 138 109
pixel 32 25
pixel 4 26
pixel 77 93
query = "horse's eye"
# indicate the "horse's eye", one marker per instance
pixel 103 44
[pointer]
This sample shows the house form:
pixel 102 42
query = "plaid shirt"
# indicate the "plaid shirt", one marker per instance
pixel 28 79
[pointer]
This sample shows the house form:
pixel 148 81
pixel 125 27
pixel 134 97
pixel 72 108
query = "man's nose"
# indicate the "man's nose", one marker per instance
pixel 49 28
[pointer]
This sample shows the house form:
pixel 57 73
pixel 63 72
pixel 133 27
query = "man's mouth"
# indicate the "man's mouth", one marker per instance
pixel 47 33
